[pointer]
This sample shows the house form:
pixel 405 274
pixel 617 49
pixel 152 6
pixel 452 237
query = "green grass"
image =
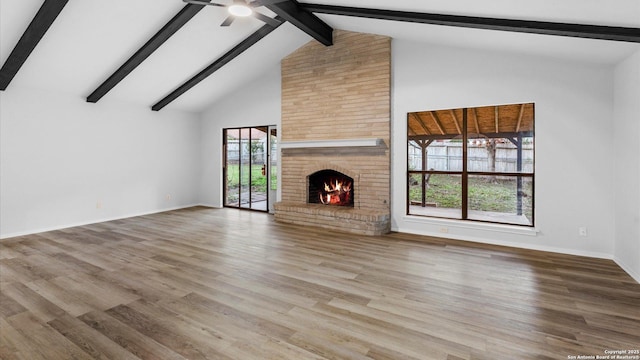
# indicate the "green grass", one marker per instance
pixel 485 194
pixel 443 190
pixel 498 195
pixel 258 182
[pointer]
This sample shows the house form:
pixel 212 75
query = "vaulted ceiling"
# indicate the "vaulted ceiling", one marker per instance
pixel 122 43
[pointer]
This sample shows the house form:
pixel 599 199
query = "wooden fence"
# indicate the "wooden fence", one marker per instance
pixel 448 157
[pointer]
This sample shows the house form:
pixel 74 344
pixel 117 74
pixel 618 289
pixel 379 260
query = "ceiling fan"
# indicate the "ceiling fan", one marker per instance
pixel 242 8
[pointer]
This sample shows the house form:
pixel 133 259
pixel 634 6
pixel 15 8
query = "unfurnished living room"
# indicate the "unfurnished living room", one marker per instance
pixel 291 179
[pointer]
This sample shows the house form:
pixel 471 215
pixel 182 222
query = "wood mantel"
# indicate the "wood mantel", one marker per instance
pixel 337 143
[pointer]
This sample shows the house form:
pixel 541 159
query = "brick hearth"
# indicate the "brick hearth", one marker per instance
pixel 365 222
pixel 339 92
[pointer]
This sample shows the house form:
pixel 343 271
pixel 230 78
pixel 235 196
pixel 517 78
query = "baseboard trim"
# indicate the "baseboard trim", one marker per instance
pixel 634 275
pixel 61 227
pixel 472 225
pixel 627 269
pixel 535 247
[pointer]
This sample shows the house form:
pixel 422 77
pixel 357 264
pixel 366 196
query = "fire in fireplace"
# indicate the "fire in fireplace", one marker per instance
pixel 330 187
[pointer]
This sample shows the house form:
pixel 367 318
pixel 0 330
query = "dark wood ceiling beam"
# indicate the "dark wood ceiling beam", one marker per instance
pixel 39 25
pixel 506 135
pixel 436 119
pixel 615 33
pixel 520 116
pixel 455 121
pixel 420 122
pixel 303 19
pixel 217 64
pixel 170 28
pixel 474 114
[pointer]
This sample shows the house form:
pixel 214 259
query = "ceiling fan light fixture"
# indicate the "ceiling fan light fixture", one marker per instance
pixel 240 10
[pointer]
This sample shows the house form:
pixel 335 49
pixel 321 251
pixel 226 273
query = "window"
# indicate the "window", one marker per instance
pixel 472 164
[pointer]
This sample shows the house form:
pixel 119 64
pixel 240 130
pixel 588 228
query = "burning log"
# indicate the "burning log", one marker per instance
pixel 336 193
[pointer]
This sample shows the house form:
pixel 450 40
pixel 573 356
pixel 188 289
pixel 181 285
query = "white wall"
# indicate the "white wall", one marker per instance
pixel 627 164
pixel 573 110
pixel 65 162
pixel 255 104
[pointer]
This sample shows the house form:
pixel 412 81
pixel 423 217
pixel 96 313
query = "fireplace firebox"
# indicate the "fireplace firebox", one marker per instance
pixel 330 187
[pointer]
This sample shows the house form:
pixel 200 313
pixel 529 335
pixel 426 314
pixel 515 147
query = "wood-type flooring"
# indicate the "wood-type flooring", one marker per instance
pixel 204 283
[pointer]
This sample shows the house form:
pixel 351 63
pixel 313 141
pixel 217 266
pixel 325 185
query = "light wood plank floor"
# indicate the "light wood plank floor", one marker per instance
pixel 225 284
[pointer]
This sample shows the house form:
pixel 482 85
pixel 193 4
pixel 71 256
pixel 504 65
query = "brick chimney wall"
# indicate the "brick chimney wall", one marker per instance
pixel 339 92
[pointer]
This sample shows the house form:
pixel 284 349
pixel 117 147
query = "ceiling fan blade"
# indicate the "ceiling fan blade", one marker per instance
pixel 266 19
pixel 228 20
pixel 257 3
pixel 203 2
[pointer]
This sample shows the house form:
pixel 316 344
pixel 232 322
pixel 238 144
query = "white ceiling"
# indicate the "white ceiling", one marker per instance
pixel 92 38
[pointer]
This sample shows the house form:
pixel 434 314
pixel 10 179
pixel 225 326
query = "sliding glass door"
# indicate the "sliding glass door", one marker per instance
pixel 248 172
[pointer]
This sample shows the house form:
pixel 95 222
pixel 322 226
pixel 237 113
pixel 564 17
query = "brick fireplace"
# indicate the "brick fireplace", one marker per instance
pixel 336 118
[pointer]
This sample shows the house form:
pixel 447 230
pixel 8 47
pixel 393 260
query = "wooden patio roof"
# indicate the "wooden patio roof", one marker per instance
pixel 489 121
